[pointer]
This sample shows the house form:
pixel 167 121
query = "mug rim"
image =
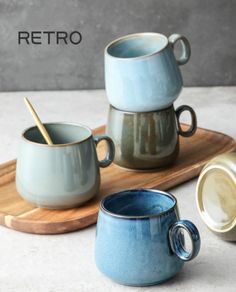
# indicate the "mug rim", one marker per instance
pixel 227 227
pixel 135 113
pixel 57 145
pixel 132 217
pixel 133 35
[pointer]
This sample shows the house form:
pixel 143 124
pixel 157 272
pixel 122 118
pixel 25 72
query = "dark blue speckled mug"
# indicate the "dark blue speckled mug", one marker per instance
pixel 139 240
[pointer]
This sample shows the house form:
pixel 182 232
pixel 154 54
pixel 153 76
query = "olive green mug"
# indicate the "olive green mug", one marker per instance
pixel 147 140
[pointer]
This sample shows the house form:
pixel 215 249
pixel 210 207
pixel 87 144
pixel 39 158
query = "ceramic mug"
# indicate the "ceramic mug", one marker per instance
pixel 142 73
pixel 65 174
pixel 147 140
pixel 139 240
pixel 216 195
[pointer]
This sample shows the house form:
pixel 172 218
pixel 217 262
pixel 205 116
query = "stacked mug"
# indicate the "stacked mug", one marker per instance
pixel 143 80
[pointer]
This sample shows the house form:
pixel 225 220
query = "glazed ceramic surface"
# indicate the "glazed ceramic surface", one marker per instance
pixel 147 140
pixel 142 73
pixel 63 175
pixel 139 240
pixel 216 195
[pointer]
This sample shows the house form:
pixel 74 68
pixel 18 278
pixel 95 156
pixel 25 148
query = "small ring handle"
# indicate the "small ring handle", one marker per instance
pixel 193 127
pixel 111 150
pixel 177 242
pixel 186 48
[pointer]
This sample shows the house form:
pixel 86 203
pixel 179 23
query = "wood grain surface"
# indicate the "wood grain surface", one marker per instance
pixel 19 215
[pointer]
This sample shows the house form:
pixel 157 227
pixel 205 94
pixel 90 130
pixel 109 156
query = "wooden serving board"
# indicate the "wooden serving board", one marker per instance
pixel 17 214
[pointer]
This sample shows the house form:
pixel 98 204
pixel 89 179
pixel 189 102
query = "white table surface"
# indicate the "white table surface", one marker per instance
pixel 66 262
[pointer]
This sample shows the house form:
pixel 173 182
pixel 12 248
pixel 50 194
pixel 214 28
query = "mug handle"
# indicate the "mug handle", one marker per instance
pixel 193 127
pixel 111 150
pixel 186 48
pixel 176 239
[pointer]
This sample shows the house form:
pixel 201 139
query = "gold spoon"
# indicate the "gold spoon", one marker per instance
pixel 39 124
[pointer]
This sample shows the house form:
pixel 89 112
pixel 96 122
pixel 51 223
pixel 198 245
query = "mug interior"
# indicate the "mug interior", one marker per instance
pixel 137 45
pixel 138 203
pixel 217 199
pixel 60 133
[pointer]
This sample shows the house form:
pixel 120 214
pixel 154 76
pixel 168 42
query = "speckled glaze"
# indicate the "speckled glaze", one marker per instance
pixel 63 175
pixel 142 73
pixel 139 240
pixel 216 196
pixel 147 140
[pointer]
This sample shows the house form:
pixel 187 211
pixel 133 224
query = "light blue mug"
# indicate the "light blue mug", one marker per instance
pixel 139 240
pixel 65 174
pixel 142 73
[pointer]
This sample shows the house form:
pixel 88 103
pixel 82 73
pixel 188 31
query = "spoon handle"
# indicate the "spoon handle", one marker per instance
pixel 39 124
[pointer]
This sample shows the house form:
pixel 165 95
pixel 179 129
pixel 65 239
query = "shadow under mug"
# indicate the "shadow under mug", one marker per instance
pixel 63 175
pixel 147 140
pixel 139 239
pixel 142 73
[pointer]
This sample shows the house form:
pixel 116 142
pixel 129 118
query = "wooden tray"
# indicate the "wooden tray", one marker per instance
pixel 17 214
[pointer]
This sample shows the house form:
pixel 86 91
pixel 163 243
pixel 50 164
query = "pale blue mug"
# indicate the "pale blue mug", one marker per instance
pixel 142 73
pixel 65 174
